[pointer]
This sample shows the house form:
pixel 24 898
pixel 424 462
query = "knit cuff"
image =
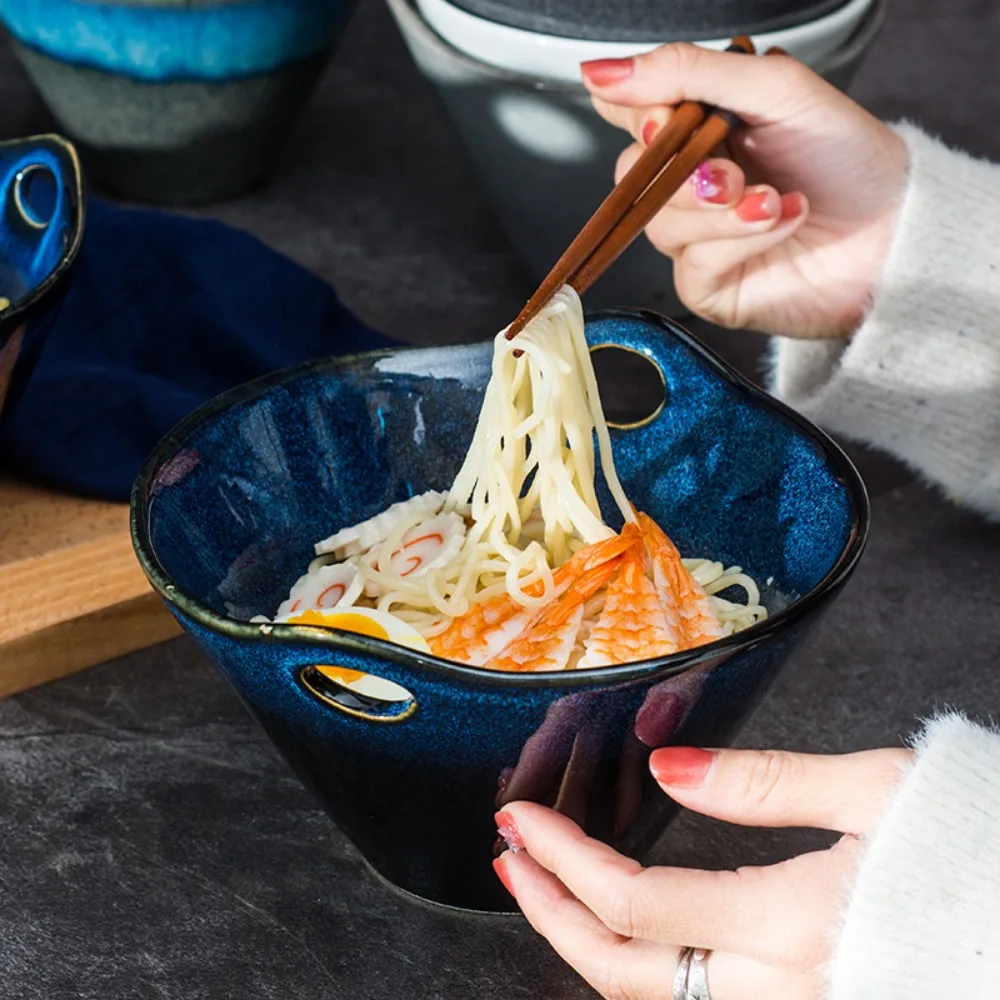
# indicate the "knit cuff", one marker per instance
pixel 920 379
pixel 923 917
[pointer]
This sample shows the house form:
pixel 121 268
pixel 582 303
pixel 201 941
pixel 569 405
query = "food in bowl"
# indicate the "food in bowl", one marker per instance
pixel 514 568
pixel 227 509
pixel 4 303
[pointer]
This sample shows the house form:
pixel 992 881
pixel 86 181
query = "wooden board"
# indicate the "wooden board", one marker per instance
pixel 71 591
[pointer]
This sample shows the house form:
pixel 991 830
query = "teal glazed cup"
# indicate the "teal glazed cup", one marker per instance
pixel 175 102
pixel 225 513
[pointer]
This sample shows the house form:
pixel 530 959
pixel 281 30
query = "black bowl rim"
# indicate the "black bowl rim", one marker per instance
pixel 12 317
pixel 579 31
pixel 358 645
pixel 406 13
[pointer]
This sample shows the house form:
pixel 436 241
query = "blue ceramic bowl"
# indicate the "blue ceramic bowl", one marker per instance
pixel 226 511
pixel 41 228
pixel 175 103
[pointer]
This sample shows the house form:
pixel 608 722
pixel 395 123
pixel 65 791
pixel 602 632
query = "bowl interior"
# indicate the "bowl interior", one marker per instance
pixel 233 500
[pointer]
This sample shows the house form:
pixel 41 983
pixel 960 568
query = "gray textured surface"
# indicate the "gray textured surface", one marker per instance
pixel 154 846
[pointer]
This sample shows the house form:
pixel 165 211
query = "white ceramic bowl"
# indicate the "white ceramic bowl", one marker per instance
pixel 555 58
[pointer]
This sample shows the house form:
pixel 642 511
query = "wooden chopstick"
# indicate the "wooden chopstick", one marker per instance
pixel 699 148
pixel 693 131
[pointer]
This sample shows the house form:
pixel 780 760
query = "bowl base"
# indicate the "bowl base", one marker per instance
pixel 179 142
pixel 503 910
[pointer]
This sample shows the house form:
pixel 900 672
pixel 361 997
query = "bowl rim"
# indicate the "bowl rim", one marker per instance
pixel 358 645
pixel 774 23
pixel 509 47
pixel 413 26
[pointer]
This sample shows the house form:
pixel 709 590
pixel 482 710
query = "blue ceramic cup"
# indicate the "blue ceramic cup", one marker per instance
pixel 41 229
pixel 228 507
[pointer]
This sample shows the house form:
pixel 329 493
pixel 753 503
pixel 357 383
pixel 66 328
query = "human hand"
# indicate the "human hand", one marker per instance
pixel 788 230
pixel 770 929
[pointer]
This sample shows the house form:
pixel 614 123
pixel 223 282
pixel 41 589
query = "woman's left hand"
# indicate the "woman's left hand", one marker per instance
pixel 770 930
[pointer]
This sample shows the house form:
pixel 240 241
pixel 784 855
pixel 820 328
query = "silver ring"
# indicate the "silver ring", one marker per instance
pixel 697 980
pixel 681 975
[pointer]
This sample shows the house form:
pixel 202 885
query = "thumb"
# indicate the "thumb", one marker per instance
pixel 758 90
pixel 774 788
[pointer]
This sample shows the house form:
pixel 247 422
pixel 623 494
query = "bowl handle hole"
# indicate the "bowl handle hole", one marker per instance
pixel 632 385
pixel 35 194
pixel 361 695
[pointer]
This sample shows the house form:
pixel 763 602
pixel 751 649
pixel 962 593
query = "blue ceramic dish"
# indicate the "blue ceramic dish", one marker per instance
pixel 225 513
pixel 41 229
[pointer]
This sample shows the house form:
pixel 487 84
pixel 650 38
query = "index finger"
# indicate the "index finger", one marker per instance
pixel 758 90
pixel 750 911
pixel 847 793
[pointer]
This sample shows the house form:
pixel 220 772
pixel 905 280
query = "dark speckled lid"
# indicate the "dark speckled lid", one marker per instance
pixel 649 20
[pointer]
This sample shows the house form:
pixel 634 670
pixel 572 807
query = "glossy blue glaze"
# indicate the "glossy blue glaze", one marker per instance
pixel 218 41
pixel 227 510
pixel 41 222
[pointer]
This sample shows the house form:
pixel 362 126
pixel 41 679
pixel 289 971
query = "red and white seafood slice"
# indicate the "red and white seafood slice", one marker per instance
pixel 428 545
pixel 361 537
pixel 336 586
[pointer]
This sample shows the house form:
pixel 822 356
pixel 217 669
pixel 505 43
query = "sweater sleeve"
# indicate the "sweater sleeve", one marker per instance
pixel 923 921
pixel 920 379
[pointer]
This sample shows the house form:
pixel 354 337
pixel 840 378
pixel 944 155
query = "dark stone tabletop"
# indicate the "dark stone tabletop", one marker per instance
pixel 153 844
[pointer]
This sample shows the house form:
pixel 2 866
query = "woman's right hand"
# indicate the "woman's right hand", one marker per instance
pixel 790 234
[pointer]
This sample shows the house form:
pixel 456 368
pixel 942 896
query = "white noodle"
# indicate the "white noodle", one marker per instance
pixel 526 492
pixel 715 578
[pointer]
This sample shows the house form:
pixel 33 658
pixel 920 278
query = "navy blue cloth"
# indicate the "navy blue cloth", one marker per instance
pixel 159 314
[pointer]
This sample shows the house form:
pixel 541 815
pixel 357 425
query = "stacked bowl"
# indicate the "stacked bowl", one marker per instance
pixel 508 73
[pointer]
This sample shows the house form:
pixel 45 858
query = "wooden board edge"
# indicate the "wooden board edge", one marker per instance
pixel 67 585
pixel 79 643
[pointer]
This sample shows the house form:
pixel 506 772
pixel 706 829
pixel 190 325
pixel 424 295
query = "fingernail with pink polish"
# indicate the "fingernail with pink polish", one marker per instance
pixel 711 184
pixel 604 72
pixel 649 131
pixel 501 869
pixel 759 206
pixel 792 206
pixel 507 829
pixel 681 767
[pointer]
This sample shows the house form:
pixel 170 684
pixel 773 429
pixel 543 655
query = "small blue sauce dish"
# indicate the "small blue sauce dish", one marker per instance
pixel 226 511
pixel 41 229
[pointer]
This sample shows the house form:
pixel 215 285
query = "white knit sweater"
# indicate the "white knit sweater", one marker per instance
pixel 921 379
